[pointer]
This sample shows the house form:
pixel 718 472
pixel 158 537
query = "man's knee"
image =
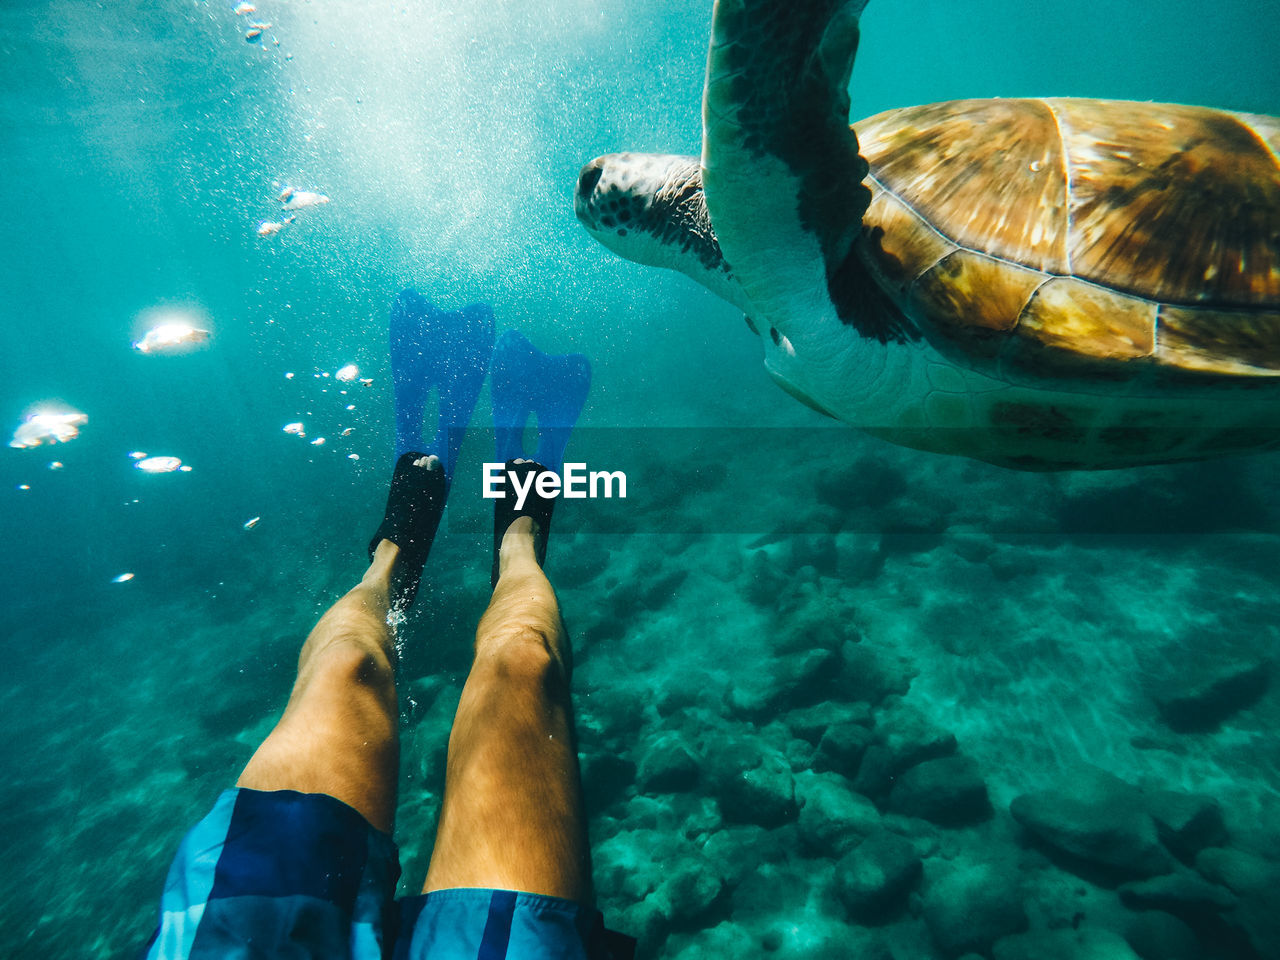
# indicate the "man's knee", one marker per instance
pixel 350 660
pixel 523 653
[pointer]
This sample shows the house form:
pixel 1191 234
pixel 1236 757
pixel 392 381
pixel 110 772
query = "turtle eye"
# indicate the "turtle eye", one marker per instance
pixel 588 179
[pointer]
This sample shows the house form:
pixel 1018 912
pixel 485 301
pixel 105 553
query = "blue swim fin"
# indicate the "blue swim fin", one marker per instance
pixel 527 381
pixel 433 348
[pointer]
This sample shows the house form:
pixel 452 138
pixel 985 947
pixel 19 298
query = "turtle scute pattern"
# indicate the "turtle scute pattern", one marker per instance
pixel 1065 235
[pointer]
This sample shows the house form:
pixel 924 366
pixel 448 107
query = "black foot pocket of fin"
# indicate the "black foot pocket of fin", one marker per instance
pixel 414 506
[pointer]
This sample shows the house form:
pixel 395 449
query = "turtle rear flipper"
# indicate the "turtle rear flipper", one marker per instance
pixel 781 168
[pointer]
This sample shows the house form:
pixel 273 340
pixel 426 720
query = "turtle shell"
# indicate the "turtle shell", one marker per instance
pixel 1082 237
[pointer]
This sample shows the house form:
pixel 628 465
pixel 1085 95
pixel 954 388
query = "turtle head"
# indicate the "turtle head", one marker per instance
pixel 650 208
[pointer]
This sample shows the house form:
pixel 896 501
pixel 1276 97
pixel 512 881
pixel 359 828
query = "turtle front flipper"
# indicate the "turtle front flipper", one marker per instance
pixel 781 168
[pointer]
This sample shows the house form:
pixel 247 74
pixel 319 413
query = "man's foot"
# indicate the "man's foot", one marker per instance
pixel 519 549
pixel 524 381
pixel 415 503
pixel 517 533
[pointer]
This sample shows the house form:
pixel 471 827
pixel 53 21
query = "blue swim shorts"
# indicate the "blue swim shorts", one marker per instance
pixel 291 875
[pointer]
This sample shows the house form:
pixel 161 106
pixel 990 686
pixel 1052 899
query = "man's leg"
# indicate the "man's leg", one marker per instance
pixel 338 734
pixel 513 814
pixel 270 872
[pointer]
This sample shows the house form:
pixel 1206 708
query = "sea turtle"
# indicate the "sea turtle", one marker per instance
pixel 1039 283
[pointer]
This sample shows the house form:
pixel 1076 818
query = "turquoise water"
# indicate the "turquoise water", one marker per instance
pixel 1037 620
